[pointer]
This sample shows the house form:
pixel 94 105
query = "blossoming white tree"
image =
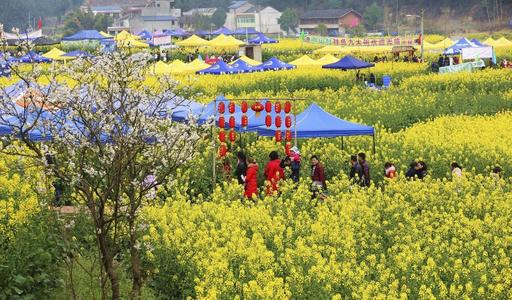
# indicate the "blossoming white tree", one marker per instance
pixel 109 130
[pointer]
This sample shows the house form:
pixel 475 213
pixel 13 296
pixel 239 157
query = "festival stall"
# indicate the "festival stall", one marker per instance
pixel 349 63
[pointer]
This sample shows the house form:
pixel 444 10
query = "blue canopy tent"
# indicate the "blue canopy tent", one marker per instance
pixel 218 68
pixel 274 64
pixel 262 39
pixel 177 33
pixel 85 35
pixel 222 30
pixel 349 63
pixel 242 67
pixel 457 47
pixel 78 53
pixel 145 35
pixel 246 31
pixel 5 71
pixel 202 33
pixel 203 113
pixel 314 122
pixel 33 57
pixel 477 42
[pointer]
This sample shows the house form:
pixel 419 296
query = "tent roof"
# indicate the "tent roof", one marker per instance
pixel 197 65
pixel 145 35
pixel 462 43
pixel 274 64
pixel 305 61
pixel 131 43
pixel 447 42
pixel 85 35
pixel 502 41
pixel 262 39
pixel 222 30
pixel 44 41
pixel 32 57
pixel 314 122
pixel 205 112
pixel 218 68
pixel 250 61
pixel 125 35
pixel 327 59
pixel 225 41
pixel 243 31
pixel 477 42
pixel 242 67
pixel 348 63
pixel 54 53
pixel 193 41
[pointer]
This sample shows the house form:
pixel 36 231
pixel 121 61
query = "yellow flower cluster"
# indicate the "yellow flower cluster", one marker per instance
pixel 411 239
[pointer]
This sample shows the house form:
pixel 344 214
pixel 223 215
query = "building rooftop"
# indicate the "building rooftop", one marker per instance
pixel 236 4
pixel 200 11
pixel 327 13
pixel 106 8
pixel 158 18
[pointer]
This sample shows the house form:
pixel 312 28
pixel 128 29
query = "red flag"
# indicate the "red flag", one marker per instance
pixel 39 23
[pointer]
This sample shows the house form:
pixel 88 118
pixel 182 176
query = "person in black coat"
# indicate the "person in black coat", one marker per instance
pixel 241 168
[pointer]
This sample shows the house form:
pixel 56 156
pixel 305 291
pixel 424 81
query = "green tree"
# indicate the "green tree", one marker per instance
pixel 372 16
pixel 79 20
pixel 201 22
pixel 219 17
pixel 289 20
pixel 321 29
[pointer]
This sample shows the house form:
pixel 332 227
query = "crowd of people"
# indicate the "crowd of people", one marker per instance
pixel 247 172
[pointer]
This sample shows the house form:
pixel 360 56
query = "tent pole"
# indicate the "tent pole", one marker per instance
pixel 373 143
pixel 342 145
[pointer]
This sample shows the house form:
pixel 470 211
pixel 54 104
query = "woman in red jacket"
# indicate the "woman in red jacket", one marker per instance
pixel 273 173
pixel 251 180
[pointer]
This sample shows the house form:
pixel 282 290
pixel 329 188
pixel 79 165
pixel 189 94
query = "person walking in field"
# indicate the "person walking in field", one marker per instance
pixel 251 180
pixel 356 173
pixel 365 182
pixel 241 167
pixel 273 173
pixel 317 177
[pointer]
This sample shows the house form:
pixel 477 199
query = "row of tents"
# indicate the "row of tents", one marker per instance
pixel 248 65
pixel 311 123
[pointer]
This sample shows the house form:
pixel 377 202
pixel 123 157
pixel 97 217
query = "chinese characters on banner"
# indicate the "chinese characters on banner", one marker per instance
pixel 382 41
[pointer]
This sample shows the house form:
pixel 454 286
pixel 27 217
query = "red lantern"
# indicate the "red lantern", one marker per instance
pixel 268 120
pixel 279 136
pixel 287 107
pixel 231 107
pixel 257 108
pixel 268 106
pixel 222 122
pixel 287 149
pixel 244 107
pixel 232 136
pixel 245 121
pixel 278 121
pixel 222 136
pixel 223 150
pixel 288 121
pixel 277 107
pixel 288 135
pixel 232 122
pixel 222 107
